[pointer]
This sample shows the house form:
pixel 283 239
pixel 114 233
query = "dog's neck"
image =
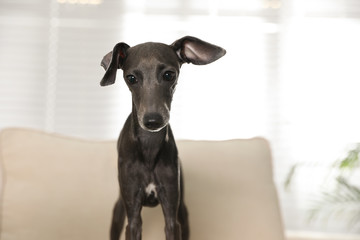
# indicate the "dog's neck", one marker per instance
pixel 150 143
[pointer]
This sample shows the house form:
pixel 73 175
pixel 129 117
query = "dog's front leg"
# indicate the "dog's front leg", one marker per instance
pixel 172 227
pixel 134 227
pixel 132 196
pixel 169 197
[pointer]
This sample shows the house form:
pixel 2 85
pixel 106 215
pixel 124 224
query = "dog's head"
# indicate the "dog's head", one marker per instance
pixel 151 71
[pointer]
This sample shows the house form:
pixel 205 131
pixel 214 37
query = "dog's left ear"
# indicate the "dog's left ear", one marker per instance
pixel 113 61
pixel 193 50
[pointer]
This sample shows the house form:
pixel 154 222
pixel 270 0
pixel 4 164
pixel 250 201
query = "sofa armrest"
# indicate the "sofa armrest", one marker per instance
pixel 300 235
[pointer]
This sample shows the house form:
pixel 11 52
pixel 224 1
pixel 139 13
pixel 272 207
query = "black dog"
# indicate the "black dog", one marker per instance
pixel 149 168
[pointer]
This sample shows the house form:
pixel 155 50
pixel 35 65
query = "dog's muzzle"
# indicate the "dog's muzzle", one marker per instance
pixel 153 122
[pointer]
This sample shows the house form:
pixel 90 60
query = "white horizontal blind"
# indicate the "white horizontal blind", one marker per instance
pixel 290 74
pixel 23 64
pixel 50 67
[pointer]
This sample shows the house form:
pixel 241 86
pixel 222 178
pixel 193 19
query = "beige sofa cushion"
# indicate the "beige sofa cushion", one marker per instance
pixel 57 187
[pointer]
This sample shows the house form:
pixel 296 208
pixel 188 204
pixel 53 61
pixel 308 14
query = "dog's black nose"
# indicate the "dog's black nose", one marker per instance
pixel 153 121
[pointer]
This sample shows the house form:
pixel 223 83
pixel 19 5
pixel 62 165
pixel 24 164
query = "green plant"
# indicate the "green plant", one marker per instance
pixel 344 198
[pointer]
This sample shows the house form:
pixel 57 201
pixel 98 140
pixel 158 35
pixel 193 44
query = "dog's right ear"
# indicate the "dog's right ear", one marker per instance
pixel 113 61
pixel 193 50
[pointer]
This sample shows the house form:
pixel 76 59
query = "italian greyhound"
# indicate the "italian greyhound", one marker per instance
pixel 148 164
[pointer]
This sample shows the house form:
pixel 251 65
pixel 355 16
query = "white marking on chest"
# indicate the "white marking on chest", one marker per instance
pixel 151 188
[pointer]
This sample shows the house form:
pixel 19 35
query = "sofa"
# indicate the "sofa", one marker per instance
pixel 58 187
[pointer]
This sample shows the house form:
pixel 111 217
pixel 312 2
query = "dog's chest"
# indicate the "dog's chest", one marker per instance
pixel 151 195
pixel 150 148
pixel 151 190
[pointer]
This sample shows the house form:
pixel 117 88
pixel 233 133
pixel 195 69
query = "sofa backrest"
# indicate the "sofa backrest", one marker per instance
pixel 57 187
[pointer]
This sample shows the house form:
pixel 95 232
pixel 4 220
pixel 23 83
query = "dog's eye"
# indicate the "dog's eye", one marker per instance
pixel 169 76
pixel 131 79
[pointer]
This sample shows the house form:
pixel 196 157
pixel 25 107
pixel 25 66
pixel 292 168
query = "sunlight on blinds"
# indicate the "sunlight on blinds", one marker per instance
pixel 319 96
